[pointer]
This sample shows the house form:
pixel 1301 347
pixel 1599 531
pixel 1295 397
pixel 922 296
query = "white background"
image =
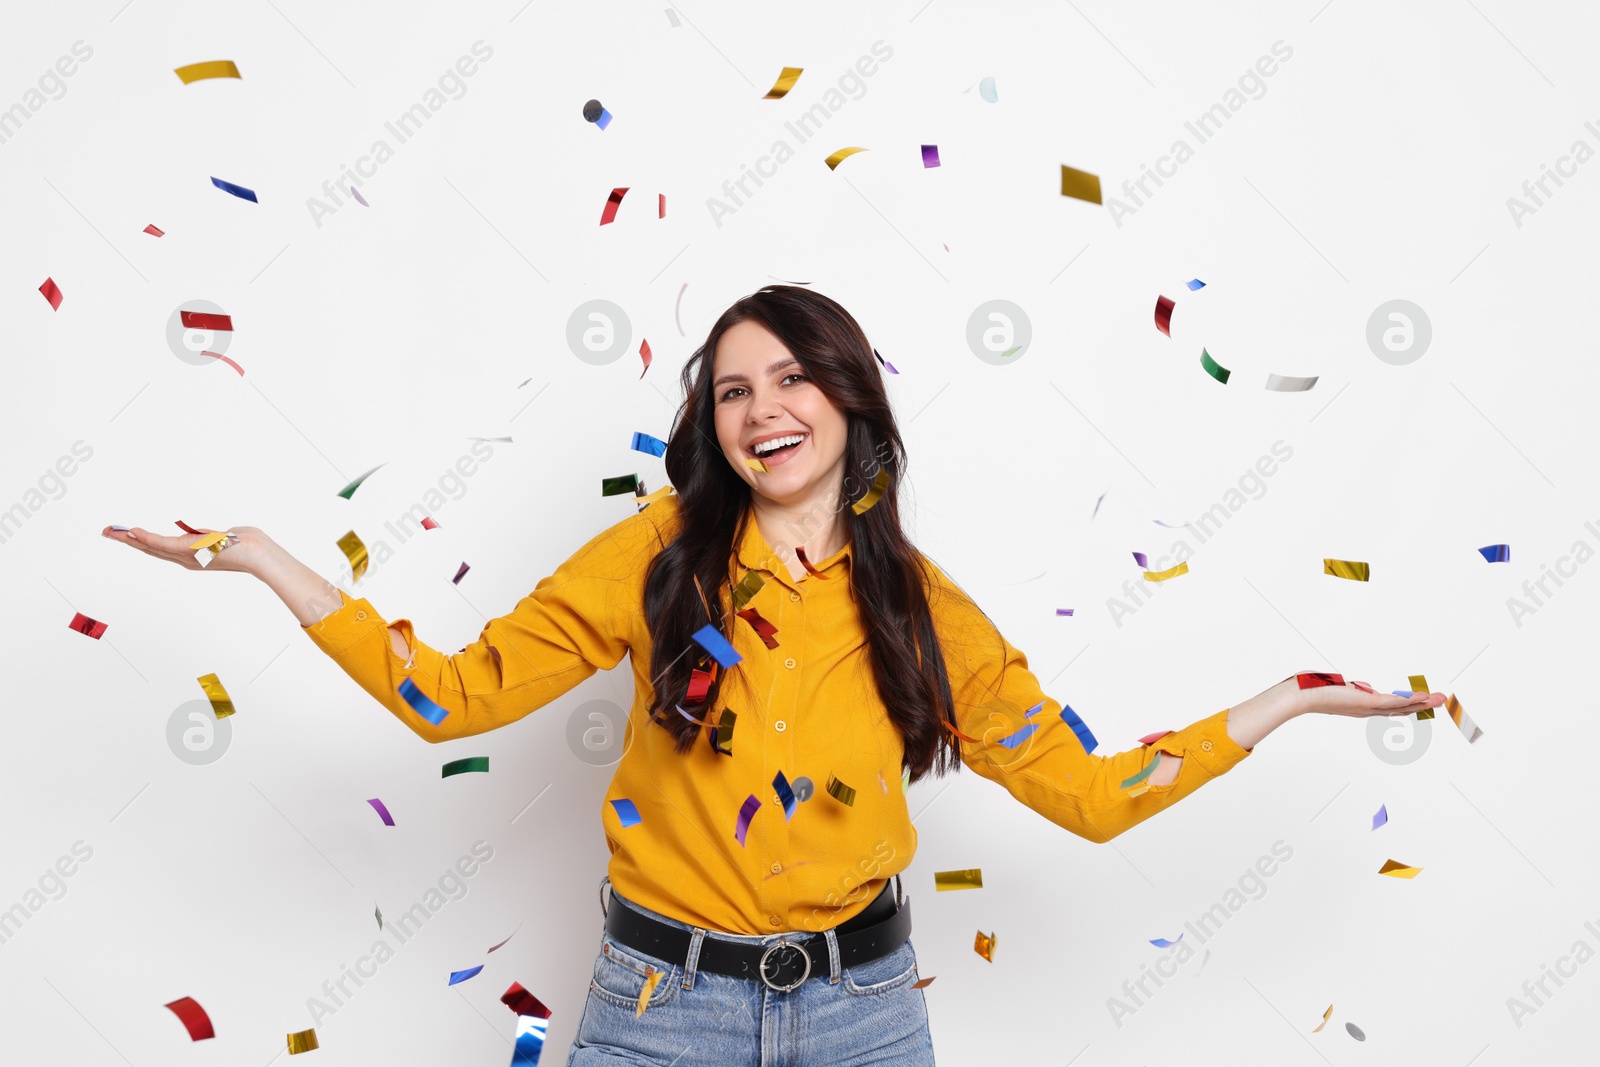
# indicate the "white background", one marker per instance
pixel 1376 166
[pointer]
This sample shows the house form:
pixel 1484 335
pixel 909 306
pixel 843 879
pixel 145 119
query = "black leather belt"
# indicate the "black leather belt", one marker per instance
pixel 783 965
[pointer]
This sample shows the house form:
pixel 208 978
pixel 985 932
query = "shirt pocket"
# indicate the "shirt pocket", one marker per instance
pixel 883 975
pixel 620 974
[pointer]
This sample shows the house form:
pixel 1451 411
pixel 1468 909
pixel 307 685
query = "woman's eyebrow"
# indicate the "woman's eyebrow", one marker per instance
pixel 773 369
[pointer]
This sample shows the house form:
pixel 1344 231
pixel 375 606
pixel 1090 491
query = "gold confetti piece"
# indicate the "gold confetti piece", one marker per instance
pixel 1419 684
pixel 757 466
pixel 785 82
pixel 216 68
pixel 746 590
pixel 221 703
pixel 971 878
pixel 304 1041
pixel 880 485
pixel 1346 568
pixel 1396 869
pixel 1080 184
pixel 983 945
pixel 1459 716
pixel 356 553
pixel 1170 572
pixel 1325 1017
pixel 840 156
pixel 841 792
pixel 652 978
pixel 924 982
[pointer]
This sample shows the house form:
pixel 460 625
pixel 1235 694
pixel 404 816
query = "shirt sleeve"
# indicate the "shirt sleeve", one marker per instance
pixel 576 621
pixel 1047 767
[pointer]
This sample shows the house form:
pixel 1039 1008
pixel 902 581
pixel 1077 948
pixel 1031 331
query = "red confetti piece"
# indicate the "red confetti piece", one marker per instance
pixel 186 528
pixel 699 683
pixel 85 625
pixel 663 197
pixel 1150 739
pixel 800 553
pixel 613 202
pixel 52 293
pixel 200 320
pixel 1363 687
pixel 1164 315
pixel 958 733
pixel 429 524
pixel 764 629
pixel 193 1017
pixel 523 1002
pixel 154 230
pixel 644 354
pixel 1314 681
pixel 226 360
pixel 460 574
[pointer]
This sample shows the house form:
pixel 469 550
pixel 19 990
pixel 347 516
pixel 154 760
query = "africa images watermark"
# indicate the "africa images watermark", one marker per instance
pixel 1252 881
pixel 1206 126
pixel 1579 154
pixel 811 122
pixel 1580 554
pixel 1252 481
pixel 52 82
pixel 52 481
pixel 1580 954
pixel 52 886
pixel 405 126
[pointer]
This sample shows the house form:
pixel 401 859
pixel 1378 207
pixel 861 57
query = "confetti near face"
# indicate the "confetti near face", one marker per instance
pixel 87 626
pixel 457 977
pixel 1459 716
pixel 153 230
pixel 747 589
pixel 614 201
pixel 193 1017
pixel 800 554
pixel 644 355
pixel 304 1041
pixel 1396 869
pixel 356 553
pixel 470 765
pixel 216 68
pixel 949 881
pixel 627 813
pixel 52 293
pixel 650 446
pixel 840 156
pixel 1325 1017
pixel 348 491
pixel 1496 553
pixel 1354 1031
pixel 841 792
pixel 1170 572
pixel 880 485
pixel 747 811
pixel 421 704
pixel 1164 308
pixel 1195 283
pixel 243 194
pixel 786 81
pixel 757 466
pixel 1161 942
pixel 221 703
pixel 983 945
pixel 1213 368
pixel 930 156
pixel 1080 184
pixel 1347 568
pixel 713 642
pixel 886 364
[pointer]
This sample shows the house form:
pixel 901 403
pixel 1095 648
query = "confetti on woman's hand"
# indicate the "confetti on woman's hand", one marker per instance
pixel 1213 368
pixel 840 156
pixel 949 881
pixel 193 1017
pixel 1316 681
pixel 1419 684
pixel 1164 308
pixel 1496 553
pixel 650 446
pixel 930 156
pixel 221 703
pixel 1080 184
pixel 747 811
pixel 421 704
pixel 470 765
pixel 87 626
pixel 216 68
pixel 880 485
pixel 614 201
pixel 627 812
pixel 800 554
pixel 243 194
pixel 348 491
pixel 383 813
pixel 1347 568
pixel 983 945
pixel 786 81
pixel 1459 716
pixel 1381 816
pixel 1396 869
pixel 52 293
pixel 304 1041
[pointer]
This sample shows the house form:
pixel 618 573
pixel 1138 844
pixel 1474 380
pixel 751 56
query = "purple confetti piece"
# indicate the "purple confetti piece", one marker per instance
pixel 1063 611
pixel 886 364
pixel 1382 817
pixel 383 812
pixel 460 574
pixel 1142 560
pixel 746 813
pixel 1097 506
pixel 1168 525
pixel 359 198
pixel 930 155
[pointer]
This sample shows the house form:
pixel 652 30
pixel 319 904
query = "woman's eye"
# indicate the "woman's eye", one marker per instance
pixel 802 377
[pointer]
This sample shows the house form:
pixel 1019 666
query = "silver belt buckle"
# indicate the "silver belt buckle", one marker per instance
pixel 794 946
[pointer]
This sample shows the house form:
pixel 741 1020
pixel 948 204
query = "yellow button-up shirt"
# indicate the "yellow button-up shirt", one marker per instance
pixel 809 708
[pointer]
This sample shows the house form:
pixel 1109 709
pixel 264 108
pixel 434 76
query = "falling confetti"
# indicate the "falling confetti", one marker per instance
pixel 1346 568
pixel 428 523
pixel 930 156
pixel 644 354
pixel 1355 1031
pixel 348 491
pixel 1164 308
pixel 1080 184
pixel 154 230
pixel 786 797
pixel 221 703
pixel 947 881
pixel 613 202
pixel 840 156
pixel 470 765
pixel 1170 572
pixel 1396 869
pixel 986 90
pixel 304 1041
pixel 52 293
pixel 652 978
pixel 216 68
pixel 358 197
pixel 523 1002
pixel 923 982
pixel 1085 735
pixel 886 364
pixel 786 81
pixel 85 625
pixel 193 1017
pixel 383 813
pixel 677 312
pixel 1161 942
pixel 460 574
pixel 356 553
pixel 747 811
pixel 1063 611
pixel 983 945
pixel 1459 716
pixel 225 359
pixel 880 485
pixel 650 446
pixel 713 642
pixel 622 483
pixel 841 792
pixel 1213 368
pixel 243 194
pixel 457 977
pixel 421 704
pixel 1497 553
pixel 1279 384
pixel 1381 817
pixel 1325 1016
pixel 1195 283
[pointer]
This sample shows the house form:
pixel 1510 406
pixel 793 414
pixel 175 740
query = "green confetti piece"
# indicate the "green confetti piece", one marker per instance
pixel 1220 373
pixel 466 766
pixel 348 491
pixel 1129 783
pixel 624 483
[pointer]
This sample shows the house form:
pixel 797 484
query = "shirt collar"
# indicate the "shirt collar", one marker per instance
pixel 755 553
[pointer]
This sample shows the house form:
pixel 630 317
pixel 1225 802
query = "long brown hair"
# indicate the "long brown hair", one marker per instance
pixel 888 577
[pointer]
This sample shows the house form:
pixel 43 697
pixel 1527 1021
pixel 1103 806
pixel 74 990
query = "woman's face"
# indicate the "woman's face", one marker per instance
pixel 761 393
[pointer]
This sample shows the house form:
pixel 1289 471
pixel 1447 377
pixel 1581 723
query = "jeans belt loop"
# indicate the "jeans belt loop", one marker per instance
pixel 692 964
pixel 833 955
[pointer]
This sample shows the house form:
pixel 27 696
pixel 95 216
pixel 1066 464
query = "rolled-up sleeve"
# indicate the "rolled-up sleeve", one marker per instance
pixel 580 619
pixel 1039 758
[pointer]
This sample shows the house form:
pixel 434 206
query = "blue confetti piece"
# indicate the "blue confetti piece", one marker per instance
pixel 1020 736
pixel 785 794
pixel 627 812
pixel 421 704
pixel 653 446
pixel 237 190
pixel 461 976
pixel 709 639
pixel 1195 283
pixel 1036 709
pixel 604 120
pixel 1382 817
pixel 1161 942
pixel 1402 693
pixel 530 1040
pixel 1079 727
pixel 1496 553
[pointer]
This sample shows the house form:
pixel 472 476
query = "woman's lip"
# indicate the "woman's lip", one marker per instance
pixel 785 457
pixel 757 455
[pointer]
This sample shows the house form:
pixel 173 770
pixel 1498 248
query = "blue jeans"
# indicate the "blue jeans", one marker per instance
pixel 850 1016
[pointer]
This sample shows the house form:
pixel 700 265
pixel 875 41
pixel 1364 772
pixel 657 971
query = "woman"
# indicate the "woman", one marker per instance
pixel 758 812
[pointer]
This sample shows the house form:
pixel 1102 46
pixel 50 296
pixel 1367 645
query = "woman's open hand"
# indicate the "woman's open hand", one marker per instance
pixel 243 556
pixel 1358 702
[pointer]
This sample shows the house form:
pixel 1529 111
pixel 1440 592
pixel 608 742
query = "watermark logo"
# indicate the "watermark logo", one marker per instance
pixel 999 332
pixel 599 332
pixel 190 343
pixel 597 733
pixel 196 735
pixel 1566 567
pixel 1399 332
pixel 1399 740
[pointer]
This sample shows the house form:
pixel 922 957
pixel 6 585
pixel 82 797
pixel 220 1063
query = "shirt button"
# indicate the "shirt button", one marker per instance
pixel 789 663
pixel 780 726
pixel 360 615
pixel 794 596
pixel 1206 745
pixel 777 868
pixel 775 921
